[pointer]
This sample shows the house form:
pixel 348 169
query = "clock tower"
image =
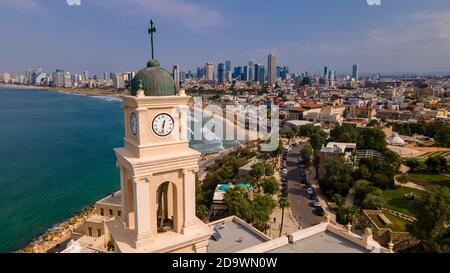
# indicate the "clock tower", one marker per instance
pixel 157 171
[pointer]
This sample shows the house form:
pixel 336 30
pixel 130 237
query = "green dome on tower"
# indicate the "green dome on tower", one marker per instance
pixel 156 81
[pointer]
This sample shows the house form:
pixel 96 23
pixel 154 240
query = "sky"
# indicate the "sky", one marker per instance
pixel 411 36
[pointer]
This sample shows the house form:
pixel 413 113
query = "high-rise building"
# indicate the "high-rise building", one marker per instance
pixel 176 74
pixel 6 77
pixel 228 76
pixel 85 76
pixel 272 69
pixel 221 73
pixel 260 73
pixel 251 71
pixel 227 66
pixel 68 80
pixel 355 72
pixel 325 72
pixel 118 81
pixel 58 78
pixel 244 76
pixel 200 73
pixel 209 69
pixel 237 72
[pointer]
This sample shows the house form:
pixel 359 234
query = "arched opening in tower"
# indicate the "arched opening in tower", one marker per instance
pixel 166 196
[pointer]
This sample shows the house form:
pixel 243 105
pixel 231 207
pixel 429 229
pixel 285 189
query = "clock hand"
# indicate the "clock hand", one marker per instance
pixel 164 125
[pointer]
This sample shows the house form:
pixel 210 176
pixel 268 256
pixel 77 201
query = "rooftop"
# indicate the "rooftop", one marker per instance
pixel 325 242
pixel 233 235
pixel 112 199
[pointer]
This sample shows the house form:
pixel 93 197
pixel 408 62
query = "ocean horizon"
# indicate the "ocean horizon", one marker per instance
pixel 57 158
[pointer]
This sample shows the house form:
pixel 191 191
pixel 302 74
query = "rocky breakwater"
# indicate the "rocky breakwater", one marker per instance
pixel 58 234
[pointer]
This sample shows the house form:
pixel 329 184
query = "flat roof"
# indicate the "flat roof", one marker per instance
pixel 324 242
pixel 112 199
pixel 233 238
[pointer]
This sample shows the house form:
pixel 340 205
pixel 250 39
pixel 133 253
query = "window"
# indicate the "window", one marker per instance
pixel 89 231
pixel 99 232
pixel 111 212
pixel 102 212
pixel 119 213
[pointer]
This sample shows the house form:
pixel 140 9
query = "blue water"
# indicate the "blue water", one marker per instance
pixel 56 158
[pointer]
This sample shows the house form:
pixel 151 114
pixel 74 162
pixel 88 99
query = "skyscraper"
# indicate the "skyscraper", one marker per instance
pixel 209 68
pixel 251 71
pixel 58 78
pixel 272 69
pixel 260 73
pixel 355 72
pixel 221 73
pixel 325 72
pixel 237 72
pixel 244 76
pixel 227 66
pixel 176 72
pixel 85 76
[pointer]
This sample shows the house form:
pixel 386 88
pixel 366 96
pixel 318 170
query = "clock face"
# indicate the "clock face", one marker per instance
pixel 163 125
pixel 133 123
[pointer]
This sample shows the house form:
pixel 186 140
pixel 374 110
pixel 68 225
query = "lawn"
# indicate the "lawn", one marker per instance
pixel 430 179
pixel 398 224
pixel 396 200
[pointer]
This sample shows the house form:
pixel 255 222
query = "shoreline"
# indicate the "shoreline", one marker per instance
pixel 58 233
pixel 77 91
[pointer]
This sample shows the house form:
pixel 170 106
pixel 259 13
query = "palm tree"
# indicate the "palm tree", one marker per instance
pixel 283 204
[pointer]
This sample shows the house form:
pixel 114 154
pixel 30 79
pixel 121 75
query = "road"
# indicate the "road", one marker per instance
pixel 299 202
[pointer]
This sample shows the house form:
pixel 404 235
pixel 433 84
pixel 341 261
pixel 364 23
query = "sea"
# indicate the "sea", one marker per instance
pixel 56 158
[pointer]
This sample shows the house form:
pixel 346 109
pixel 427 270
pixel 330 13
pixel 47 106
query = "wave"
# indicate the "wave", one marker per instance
pixel 70 93
pixel 107 98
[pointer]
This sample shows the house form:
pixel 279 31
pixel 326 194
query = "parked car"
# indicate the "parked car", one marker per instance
pixel 310 191
pixel 319 211
pixel 316 204
pixel 284 171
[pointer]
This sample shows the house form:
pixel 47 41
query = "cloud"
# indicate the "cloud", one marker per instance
pixel 21 4
pixel 191 15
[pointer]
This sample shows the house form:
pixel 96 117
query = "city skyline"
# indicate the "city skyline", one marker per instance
pixel 398 37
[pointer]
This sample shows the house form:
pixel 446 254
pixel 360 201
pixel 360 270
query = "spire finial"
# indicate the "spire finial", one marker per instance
pixel 151 31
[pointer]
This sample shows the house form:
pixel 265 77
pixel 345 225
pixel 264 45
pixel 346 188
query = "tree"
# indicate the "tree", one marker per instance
pixel 306 153
pixel 345 133
pixel 372 139
pixel 318 139
pixel 362 173
pixel 236 201
pixel 414 164
pixel 361 189
pixel 337 198
pixel 290 135
pixel 434 164
pixel 201 211
pixel 258 171
pixel 373 201
pixel 382 181
pixel 433 220
pixel 284 203
pixel 442 136
pixel 295 130
pixel 270 185
pixel 269 170
pixel 338 178
pixel 346 214
pixel 262 207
